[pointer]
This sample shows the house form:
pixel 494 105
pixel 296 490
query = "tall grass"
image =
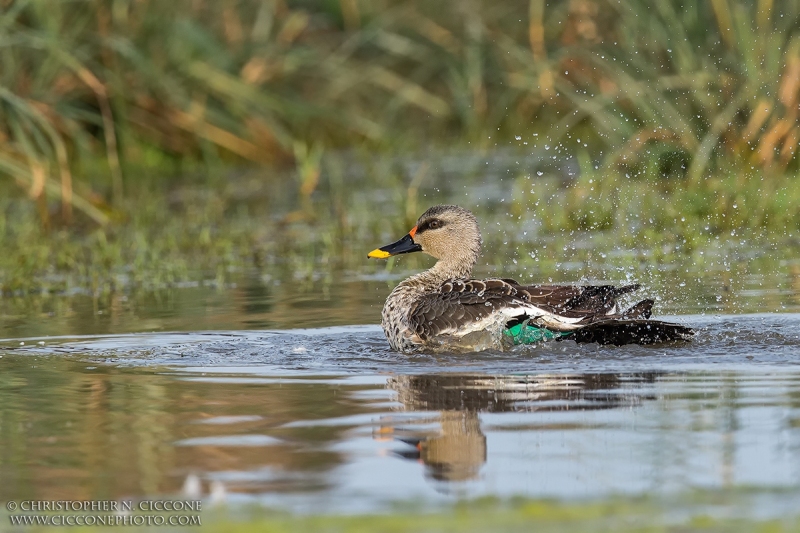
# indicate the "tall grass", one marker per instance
pixel 688 84
pixel 94 92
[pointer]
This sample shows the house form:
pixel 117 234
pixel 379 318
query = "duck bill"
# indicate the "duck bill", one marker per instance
pixel 406 245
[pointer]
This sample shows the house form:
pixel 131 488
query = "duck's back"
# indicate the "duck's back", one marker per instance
pixel 472 315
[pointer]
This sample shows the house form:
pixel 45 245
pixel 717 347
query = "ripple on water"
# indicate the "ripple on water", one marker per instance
pixel 331 420
pixel 725 339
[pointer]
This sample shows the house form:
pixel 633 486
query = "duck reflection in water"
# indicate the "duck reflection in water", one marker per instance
pixel 457 451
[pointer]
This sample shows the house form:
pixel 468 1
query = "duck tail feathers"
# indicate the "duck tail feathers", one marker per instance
pixel 619 291
pixel 642 310
pixel 634 331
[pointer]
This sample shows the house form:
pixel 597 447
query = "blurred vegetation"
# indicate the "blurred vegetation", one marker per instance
pixel 93 93
pixel 225 230
pixel 676 124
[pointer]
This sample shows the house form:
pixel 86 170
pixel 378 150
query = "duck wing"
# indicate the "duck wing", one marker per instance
pixel 619 332
pixel 577 300
pixel 460 304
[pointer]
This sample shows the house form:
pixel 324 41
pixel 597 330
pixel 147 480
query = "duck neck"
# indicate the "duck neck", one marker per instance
pixel 442 271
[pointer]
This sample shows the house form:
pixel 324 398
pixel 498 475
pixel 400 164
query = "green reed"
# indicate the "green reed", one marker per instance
pixel 93 91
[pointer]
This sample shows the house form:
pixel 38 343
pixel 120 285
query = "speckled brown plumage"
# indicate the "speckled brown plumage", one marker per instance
pixel 441 307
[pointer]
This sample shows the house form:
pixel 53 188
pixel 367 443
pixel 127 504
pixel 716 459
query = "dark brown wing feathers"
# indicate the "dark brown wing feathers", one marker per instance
pixel 642 310
pixel 459 302
pixel 619 332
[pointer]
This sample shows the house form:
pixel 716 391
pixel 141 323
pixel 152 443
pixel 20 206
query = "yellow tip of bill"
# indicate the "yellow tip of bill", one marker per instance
pixel 377 253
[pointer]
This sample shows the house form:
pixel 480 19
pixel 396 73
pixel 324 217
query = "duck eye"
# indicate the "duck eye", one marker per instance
pixel 434 224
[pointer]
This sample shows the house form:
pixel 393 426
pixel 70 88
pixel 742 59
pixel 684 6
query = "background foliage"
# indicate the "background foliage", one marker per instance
pixel 674 121
pixel 682 89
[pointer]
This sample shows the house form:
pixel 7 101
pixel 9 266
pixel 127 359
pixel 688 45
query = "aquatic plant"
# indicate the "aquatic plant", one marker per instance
pixel 92 95
pixel 687 89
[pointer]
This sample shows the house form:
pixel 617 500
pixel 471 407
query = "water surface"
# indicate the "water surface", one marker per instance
pixel 274 384
pixel 330 419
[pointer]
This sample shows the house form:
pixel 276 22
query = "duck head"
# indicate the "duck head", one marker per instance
pixel 447 232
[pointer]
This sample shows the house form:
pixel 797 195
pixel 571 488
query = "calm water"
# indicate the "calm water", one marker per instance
pixel 330 419
pixel 277 387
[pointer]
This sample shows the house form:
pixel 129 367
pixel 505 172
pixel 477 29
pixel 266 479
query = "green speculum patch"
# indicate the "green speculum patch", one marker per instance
pixel 527 334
